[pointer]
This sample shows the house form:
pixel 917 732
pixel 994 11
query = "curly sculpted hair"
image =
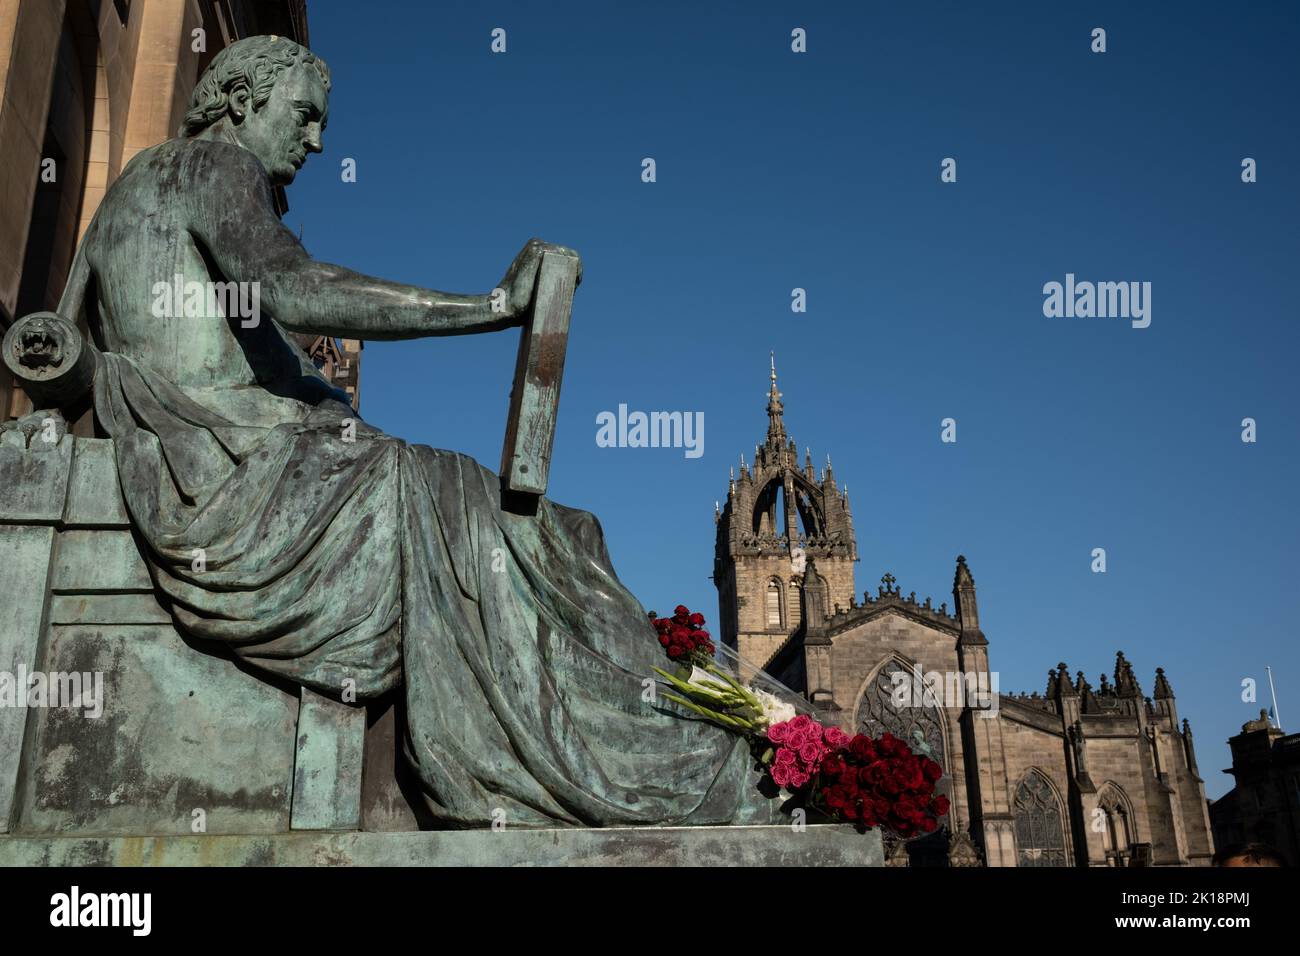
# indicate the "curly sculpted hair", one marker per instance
pixel 254 64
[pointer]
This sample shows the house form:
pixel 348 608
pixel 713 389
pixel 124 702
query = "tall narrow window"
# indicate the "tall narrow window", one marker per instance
pixel 1040 838
pixel 1117 838
pixel 774 603
pixel 796 612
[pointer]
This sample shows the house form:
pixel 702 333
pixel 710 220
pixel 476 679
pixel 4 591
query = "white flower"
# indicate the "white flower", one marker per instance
pixel 699 675
pixel 706 683
pixel 775 710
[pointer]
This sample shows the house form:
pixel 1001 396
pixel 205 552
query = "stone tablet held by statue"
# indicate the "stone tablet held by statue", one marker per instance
pixel 535 396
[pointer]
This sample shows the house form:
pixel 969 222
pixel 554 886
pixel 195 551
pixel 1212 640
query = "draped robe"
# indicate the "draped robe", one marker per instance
pixel 341 560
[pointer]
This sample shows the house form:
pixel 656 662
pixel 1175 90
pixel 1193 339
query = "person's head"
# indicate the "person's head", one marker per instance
pixel 271 95
pixel 1248 854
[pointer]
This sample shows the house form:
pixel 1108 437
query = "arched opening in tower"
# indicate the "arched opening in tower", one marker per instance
pixel 770 512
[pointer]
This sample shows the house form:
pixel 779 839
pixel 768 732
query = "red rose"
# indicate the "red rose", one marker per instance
pixel 910 810
pixel 863 747
pixel 891 746
pixel 939 805
pixel 909 775
pixel 697 618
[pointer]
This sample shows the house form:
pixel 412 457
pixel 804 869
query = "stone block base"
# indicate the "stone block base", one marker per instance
pixel 616 846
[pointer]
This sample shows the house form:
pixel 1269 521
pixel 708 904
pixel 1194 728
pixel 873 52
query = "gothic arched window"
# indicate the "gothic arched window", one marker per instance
pixel 796 612
pixel 774 603
pixel 920 720
pixel 1040 836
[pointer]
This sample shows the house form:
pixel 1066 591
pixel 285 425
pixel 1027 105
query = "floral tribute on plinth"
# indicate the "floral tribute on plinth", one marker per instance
pixel 868 782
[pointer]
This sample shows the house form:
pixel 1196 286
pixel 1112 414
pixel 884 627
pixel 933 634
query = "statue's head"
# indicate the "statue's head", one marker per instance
pixel 271 96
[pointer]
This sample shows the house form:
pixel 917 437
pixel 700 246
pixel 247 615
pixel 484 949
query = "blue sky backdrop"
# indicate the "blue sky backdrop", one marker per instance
pixel 821 171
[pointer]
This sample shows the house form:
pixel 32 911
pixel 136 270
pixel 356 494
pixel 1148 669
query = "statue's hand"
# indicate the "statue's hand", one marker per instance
pixel 521 277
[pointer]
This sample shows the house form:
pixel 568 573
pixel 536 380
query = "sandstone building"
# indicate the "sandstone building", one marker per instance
pixel 1264 805
pixel 84 86
pixel 1076 776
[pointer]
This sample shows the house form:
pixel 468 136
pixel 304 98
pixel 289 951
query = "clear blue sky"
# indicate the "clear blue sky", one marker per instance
pixel 821 171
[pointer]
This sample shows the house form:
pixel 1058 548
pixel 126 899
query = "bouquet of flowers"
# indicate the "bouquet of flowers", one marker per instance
pixel 705 688
pixel 861 780
pixel 683 637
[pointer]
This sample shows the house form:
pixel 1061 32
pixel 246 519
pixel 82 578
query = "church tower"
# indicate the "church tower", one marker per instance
pixel 778 516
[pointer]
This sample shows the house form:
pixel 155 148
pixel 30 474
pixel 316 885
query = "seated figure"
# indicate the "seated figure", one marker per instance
pixel 320 549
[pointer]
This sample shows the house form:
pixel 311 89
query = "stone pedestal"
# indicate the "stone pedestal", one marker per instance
pixel 616 846
pixel 185 738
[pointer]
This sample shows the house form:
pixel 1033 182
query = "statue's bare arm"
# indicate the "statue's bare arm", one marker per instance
pixel 232 218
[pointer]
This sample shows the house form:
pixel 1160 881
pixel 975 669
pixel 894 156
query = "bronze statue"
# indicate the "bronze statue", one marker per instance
pixel 322 550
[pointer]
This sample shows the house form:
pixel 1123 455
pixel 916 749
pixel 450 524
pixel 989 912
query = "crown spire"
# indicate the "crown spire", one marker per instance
pixel 775 423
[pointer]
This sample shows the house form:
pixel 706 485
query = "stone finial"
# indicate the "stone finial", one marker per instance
pixel 1088 700
pixel 1126 684
pixel 962 578
pixel 1064 686
pixel 963 593
pixel 1163 691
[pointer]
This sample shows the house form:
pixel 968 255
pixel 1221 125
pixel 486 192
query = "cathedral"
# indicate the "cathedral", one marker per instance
pixel 1076 776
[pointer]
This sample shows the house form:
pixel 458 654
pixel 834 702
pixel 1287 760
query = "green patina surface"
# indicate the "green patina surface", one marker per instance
pixel 239 539
pixel 632 846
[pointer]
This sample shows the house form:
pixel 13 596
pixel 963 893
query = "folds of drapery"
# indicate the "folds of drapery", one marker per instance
pixel 355 560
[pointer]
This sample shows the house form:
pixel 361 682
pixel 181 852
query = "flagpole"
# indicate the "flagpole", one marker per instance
pixel 1277 717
